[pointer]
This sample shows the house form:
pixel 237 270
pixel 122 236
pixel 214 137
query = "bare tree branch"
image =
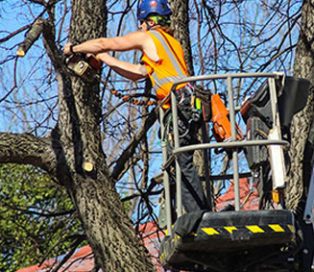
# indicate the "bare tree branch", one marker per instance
pixel 26 149
pixel 128 152
pixel 31 36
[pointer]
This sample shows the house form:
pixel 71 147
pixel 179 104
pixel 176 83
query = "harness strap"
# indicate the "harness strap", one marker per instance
pixel 172 56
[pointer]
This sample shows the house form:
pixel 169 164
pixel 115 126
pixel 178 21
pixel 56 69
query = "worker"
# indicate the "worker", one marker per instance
pixel 162 62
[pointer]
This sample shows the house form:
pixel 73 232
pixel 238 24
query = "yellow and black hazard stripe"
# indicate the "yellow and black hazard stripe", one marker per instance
pixel 254 229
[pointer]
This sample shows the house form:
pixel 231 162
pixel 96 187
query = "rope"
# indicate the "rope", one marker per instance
pixel 131 98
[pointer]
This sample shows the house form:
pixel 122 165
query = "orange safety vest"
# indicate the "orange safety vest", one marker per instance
pixel 171 65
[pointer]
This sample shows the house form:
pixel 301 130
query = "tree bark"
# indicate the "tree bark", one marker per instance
pixel 304 68
pixel 180 27
pixel 107 226
pixel 21 148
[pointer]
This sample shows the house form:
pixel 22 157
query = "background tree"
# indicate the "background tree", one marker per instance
pixel 37 222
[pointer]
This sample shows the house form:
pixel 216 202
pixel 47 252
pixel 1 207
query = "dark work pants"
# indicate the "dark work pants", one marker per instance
pixel 192 191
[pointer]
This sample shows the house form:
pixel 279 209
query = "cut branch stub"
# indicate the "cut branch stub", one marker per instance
pixel 31 36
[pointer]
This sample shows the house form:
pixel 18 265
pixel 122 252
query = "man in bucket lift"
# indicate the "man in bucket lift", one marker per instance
pixel 163 63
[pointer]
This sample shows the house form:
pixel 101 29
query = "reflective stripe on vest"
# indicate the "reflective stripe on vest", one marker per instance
pixel 180 74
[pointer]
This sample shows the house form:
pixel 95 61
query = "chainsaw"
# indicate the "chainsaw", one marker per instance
pixel 84 66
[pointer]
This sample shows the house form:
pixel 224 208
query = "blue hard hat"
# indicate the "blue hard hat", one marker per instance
pixel 147 7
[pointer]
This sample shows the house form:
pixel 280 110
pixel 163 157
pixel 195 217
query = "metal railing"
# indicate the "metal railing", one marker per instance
pixel 233 144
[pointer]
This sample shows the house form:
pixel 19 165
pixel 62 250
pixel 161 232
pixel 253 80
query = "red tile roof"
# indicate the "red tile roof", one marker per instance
pixel 83 260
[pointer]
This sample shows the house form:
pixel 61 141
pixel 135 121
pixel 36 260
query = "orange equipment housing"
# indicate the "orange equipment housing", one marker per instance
pixel 221 122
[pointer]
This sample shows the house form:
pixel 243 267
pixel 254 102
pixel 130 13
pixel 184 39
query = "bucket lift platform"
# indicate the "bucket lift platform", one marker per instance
pixel 211 241
pixel 231 241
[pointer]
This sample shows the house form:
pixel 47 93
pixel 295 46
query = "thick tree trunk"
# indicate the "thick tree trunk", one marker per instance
pixel 107 226
pixel 180 27
pixel 304 68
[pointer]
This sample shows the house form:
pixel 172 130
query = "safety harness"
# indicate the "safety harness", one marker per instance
pixel 204 105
